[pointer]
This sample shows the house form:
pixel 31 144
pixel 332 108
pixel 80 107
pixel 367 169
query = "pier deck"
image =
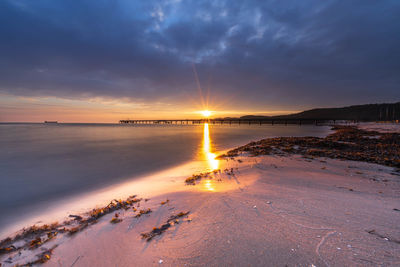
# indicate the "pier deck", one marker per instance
pixel 232 121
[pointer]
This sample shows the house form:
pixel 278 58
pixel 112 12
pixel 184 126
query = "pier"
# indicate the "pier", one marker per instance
pixel 234 121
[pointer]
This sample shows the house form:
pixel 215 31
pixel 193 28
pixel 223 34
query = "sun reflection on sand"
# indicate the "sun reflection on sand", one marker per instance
pixel 209 185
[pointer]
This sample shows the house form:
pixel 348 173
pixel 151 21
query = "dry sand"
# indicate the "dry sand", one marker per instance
pixel 274 211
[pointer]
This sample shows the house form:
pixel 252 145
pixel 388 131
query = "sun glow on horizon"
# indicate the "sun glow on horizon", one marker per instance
pixel 206 113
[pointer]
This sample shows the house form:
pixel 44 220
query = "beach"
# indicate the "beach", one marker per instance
pixel 260 207
pixel 45 165
pixel 199 133
pixel 48 170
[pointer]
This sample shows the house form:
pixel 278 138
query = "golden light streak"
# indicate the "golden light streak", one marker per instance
pixel 213 164
pixel 210 157
pixel 208 185
pixel 212 177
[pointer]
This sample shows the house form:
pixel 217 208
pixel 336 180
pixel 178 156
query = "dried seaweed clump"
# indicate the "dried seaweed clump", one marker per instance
pixel 116 218
pixel 347 142
pixel 164 202
pixel 142 212
pixel 113 206
pixel 159 230
pixel 196 177
pixel 7 249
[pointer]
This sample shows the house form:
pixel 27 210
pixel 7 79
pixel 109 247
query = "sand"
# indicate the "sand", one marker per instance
pixel 275 211
pixel 380 127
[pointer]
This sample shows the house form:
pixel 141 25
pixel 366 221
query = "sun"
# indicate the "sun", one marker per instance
pixel 205 113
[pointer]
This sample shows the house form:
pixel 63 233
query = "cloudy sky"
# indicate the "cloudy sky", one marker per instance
pixel 101 61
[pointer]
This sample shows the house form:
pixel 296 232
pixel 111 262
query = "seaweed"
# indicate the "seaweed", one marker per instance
pixel 164 227
pixel 196 177
pixel 229 172
pixel 35 243
pixel 177 216
pixel 7 249
pixel 346 143
pixel 192 180
pixel 142 212
pixel 156 231
pixel 41 258
pixel 164 202
pixel 35 236
pixel 80 227
pixel 116 219
pixel 76 217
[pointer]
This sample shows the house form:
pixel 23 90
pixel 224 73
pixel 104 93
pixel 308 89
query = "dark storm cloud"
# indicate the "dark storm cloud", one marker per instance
pixel 303 52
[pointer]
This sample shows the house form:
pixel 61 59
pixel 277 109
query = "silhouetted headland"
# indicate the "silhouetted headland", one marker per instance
pixel 368 112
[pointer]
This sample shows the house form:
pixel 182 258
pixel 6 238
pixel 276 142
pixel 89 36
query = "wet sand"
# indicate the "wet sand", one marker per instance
pixel 292 212
pixel 268 210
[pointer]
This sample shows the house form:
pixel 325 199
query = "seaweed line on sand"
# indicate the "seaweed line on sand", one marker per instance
pixel 347 142
pixel 35 236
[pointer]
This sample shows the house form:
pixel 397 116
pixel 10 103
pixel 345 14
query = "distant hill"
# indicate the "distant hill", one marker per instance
pixel 369 112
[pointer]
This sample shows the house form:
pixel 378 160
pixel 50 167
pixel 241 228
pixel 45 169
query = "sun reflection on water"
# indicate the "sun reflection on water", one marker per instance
pixel 213 164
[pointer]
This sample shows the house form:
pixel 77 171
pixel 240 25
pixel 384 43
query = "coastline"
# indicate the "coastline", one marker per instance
pixel 282 209
pixel 158 183
pixel 46 167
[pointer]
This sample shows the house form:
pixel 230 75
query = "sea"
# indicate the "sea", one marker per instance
pixel 44 166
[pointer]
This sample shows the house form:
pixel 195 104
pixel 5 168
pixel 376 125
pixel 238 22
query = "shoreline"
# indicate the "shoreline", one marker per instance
pixel 84 202
pixel 45 165
pixel 79 202
pixel 242 174
pixel 347 143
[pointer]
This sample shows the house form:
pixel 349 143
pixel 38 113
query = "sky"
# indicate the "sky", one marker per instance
pixel 106 60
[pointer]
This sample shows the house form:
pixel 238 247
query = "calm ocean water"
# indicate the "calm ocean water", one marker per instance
pixel 42 163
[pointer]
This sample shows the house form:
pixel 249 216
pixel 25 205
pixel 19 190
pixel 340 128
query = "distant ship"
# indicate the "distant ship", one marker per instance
pixel 50 121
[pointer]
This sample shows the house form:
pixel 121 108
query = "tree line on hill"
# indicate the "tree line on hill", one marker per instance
pixel 368 112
